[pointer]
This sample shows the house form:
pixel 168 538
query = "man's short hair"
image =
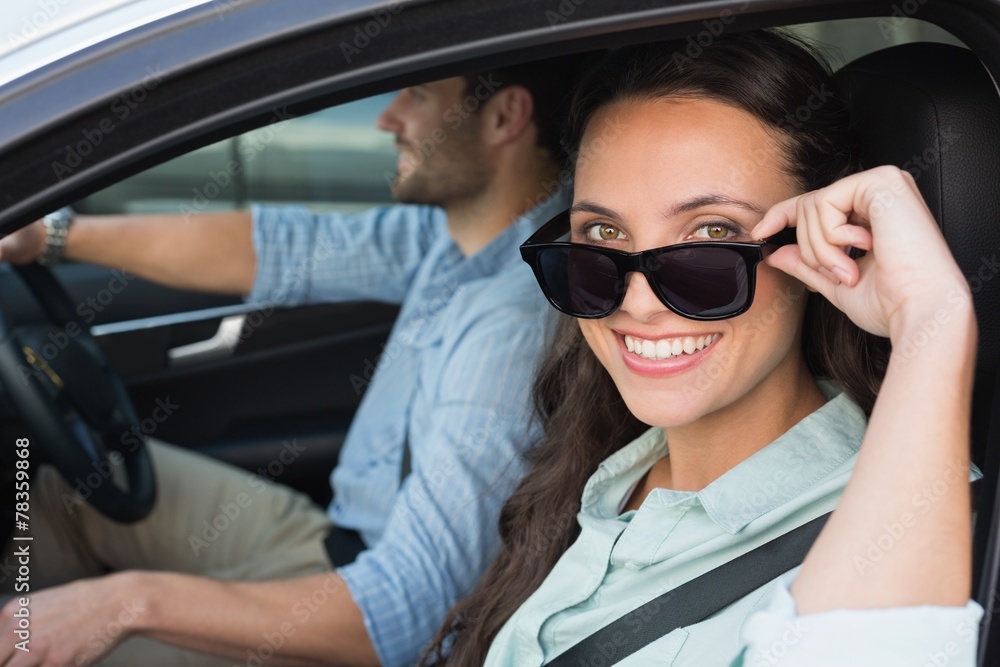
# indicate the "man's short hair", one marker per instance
pixel 551 83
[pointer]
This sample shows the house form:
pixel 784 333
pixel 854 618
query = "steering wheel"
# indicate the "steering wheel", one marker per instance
pixel 62 385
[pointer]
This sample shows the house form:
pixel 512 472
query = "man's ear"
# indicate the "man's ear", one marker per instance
pixel 507 115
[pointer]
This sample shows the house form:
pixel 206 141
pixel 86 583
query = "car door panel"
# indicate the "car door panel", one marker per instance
pixel 289 382
pixel 293 381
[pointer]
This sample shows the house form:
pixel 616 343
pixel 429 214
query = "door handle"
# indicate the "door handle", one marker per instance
pixel 218 346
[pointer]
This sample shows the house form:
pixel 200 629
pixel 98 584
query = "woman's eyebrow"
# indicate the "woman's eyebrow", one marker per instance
pixel 590 207
pixel 713 199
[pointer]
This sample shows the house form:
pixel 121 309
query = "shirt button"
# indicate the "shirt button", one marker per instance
pixel 632 566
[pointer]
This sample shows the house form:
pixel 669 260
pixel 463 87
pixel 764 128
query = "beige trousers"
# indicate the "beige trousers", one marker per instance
pixel 210 519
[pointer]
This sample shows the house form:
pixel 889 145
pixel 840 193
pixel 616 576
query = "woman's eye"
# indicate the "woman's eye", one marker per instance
pixel 604 232
pixel 715 231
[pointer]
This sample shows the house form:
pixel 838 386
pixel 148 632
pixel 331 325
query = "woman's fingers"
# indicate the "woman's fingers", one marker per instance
pixel 778 217
pixel 803 231
pixel 850 236
pixel 822 233
pixel 828 222
pixel 829 254
pixel 789 260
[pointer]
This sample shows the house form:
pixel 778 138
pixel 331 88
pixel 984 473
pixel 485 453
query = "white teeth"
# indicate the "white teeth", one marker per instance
pixel 665 348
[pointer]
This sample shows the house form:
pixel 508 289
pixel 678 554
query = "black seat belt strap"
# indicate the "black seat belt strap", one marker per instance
pixel 695 600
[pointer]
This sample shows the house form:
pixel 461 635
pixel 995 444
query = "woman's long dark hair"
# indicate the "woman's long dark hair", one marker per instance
pixel 780 81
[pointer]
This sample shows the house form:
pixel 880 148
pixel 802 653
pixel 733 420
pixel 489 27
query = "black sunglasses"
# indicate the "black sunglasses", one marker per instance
pixel 701 280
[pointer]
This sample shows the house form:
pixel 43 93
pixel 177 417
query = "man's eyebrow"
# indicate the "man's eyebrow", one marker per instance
pixel 710 200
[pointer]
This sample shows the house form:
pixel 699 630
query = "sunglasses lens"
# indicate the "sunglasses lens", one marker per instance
pixel 580 281
pixel 703 282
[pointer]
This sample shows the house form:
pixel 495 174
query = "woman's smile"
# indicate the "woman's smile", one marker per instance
pixel 659 355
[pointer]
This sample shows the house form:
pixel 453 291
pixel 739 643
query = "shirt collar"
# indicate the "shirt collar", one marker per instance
pixel 620 471
pixel 796 461
pixel 779 472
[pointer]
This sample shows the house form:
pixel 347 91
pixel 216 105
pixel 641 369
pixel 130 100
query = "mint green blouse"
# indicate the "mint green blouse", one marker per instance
pixel 622 560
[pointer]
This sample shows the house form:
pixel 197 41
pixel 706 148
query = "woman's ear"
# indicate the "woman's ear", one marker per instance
pixel 507 115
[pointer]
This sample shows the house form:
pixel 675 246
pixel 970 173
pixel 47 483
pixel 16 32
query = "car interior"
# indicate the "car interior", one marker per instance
pixel 246 382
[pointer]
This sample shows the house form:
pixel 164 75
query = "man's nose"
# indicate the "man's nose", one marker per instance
pixel 389 120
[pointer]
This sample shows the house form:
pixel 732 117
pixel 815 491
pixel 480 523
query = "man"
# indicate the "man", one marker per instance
pixel 456 397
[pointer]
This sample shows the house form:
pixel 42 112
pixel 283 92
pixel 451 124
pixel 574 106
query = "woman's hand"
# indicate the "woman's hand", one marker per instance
pixel 907 274
pixel 906 287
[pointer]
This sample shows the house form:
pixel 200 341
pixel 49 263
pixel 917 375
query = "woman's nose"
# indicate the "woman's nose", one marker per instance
pixel 640 302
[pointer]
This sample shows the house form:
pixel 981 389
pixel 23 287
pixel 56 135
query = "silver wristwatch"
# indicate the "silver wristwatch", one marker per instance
pixel 56 230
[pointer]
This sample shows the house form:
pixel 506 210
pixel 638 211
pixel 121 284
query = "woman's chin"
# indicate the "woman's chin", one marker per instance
pixel 664 409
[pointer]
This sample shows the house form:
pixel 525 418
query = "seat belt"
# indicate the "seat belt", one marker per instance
pixel 695 600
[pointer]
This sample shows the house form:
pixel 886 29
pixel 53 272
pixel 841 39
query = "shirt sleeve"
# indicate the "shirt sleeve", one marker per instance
pixel 893 637
pixel 305 257
pixel 442 531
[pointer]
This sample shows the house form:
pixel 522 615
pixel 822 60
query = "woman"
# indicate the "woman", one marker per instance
pixel 750 437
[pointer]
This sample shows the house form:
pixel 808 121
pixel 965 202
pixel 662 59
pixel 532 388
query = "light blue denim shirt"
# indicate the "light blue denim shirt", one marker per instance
pixel 620 561
pixel 454 379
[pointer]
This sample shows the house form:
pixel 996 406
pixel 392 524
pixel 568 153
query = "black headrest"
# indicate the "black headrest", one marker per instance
pixel 933 110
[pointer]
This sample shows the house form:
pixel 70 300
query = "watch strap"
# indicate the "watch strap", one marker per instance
pixel 56 232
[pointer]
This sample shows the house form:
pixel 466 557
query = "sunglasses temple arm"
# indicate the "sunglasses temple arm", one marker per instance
pixel 785 237
pixel 551 231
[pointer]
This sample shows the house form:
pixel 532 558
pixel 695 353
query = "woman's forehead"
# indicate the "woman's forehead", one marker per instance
pixel 668 150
